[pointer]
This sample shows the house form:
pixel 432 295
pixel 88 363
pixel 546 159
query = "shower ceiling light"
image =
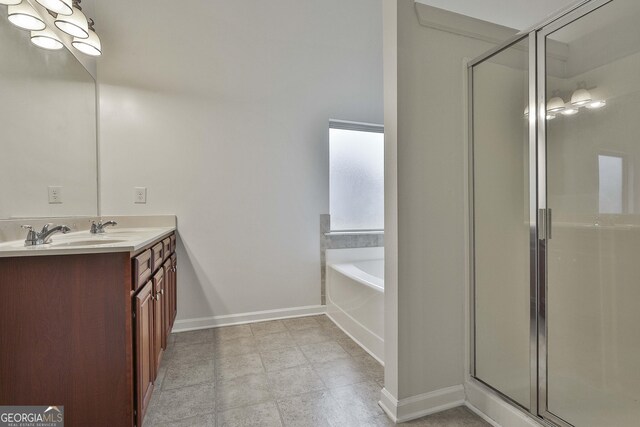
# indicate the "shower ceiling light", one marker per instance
pixel 596 104
pixel 46 39
pixel 24 16
pixel 75 24
pixel 555 105
pixel 91 45
pixel 62 7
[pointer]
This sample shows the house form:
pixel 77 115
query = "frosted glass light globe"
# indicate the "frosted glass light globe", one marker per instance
pixel 46 39
pixel 62 7
pixel 75 25
pixel 24 16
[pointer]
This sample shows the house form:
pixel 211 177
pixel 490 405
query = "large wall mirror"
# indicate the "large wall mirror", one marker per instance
pixel 47 128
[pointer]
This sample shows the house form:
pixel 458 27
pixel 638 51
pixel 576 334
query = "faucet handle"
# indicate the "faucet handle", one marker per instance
pixel 46 227
pixel 32 236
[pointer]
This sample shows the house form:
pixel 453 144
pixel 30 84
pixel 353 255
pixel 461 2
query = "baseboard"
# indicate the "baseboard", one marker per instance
pixel 242 318
pixel 481 414
pixel 389 405
pixel 494 410
pixel 415 407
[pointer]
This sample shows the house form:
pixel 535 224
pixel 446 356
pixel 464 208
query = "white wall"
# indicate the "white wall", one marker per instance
pixel 431 203
pixel 430 260
pixel 222 112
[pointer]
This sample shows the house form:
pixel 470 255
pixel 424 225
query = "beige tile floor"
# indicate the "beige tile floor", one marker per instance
pixel 294 372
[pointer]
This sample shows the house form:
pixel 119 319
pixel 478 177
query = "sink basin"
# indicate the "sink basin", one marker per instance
pixel 93 242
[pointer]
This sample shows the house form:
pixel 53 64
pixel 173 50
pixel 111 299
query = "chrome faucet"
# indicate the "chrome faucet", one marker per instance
pixel 98 227
pixel 42 238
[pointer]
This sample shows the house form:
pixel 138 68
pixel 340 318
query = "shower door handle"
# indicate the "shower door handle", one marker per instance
pixel 545 224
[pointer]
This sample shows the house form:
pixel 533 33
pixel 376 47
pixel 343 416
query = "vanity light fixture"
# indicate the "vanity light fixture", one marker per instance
pixel 581 96
pixel 62 7
pixel 69 18
pixel 46 39
pixel 75 24
pixel 91 45
pixel 24 16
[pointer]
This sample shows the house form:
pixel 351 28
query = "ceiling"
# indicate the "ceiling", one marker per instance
pixel 518 14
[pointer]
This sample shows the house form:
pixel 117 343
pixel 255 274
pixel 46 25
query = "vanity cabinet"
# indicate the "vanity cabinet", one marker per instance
pixel 159 265
pixel 159 329
pixel 87 331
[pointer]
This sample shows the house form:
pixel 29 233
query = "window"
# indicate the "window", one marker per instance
pixel 356 186
pixel 611 184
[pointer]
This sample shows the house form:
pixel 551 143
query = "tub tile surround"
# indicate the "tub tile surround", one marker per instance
pixel 342 240
pixel 224 377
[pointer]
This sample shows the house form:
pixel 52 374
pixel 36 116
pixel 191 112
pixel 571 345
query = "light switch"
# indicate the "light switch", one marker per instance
pixel 140 195
pixel 55 195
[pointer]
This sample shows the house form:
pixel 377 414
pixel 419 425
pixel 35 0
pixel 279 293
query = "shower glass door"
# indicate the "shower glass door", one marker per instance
pixel 501 221
pixel 592 295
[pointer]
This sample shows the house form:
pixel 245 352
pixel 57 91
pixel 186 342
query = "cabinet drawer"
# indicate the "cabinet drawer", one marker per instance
pixel 166 244
pixel 142 269
pixel 173 242
pixel 156 256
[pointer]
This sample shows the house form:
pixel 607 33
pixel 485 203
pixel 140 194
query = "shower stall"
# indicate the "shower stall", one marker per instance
pixel 555 217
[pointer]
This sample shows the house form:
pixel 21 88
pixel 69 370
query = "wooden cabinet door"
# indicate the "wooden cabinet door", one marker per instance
pixel 166 301
pixel 144 349
pixel 158 319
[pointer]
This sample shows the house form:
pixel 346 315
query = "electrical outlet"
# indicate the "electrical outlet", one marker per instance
pixel 140 195
pixel 55 195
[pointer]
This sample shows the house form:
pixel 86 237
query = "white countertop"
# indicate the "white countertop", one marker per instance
pixel 115 239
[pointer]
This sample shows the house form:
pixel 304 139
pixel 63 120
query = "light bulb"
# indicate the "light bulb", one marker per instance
pixel 569 111
pixel 596 104
pixel 24 16
pixel 46 39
